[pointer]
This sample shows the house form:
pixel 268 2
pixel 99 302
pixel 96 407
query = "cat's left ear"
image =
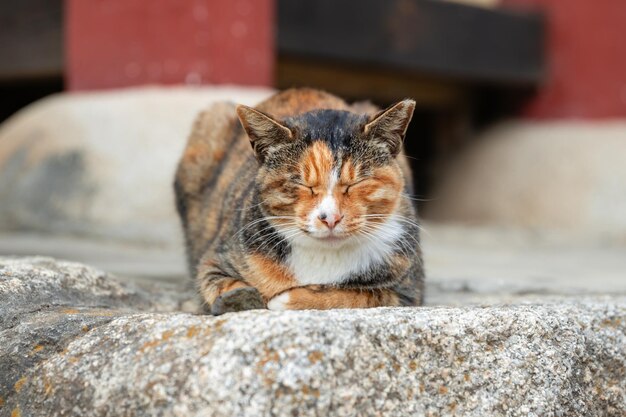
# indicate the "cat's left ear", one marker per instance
pixel 263 130
pixel 389 126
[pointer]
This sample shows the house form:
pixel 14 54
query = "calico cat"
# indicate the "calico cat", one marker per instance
pixel 315 214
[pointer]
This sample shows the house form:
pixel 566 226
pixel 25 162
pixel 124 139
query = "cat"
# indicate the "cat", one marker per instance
pixel 316 214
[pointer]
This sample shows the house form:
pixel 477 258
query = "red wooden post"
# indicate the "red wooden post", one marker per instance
pixel 586 59
pixel 119 43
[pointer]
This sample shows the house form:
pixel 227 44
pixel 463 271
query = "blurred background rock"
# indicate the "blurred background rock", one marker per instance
pixel 517 143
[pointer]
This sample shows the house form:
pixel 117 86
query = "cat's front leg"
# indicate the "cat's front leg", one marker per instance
pixel 320 297
pixel 224 294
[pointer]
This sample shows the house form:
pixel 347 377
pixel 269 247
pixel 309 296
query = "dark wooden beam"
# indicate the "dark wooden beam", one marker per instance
pixel 355 82
pixel 31 39
pixel 430 37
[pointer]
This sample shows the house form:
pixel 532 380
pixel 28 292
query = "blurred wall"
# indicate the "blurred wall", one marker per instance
pixel 561 168
pixel 118 43
pixel 586 59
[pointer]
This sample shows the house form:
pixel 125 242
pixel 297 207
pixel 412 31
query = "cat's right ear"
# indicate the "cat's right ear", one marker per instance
pixel 388 127
pixel 263 130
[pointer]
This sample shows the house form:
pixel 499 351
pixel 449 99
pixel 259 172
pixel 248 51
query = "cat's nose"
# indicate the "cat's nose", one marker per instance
pixel 330 220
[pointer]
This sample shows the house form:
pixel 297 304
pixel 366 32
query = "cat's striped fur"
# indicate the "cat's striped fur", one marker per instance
pixel 315 214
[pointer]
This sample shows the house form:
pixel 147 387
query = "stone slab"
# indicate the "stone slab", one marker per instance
pixel 566 357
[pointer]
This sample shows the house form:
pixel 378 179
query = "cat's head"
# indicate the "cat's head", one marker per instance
pixel 328 176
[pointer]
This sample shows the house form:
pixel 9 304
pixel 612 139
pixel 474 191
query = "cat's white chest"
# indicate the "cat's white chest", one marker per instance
pixel 322 264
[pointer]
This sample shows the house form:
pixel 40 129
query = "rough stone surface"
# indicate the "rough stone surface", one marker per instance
pixel 102 164
pixel 111 354
pixel 564 175
pixel 31 284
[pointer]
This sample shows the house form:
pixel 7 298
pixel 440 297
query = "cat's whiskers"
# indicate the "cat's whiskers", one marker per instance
pixel 369 236
pixel 246 226
pixel 292 235
pixel 251 238
pixel 265 218
pixel 414 198
pixel 415 239
pixel 398 217
pixel 280 234
pixel 268 241
pixel 378 227
pixel 405 251
pixel 371 233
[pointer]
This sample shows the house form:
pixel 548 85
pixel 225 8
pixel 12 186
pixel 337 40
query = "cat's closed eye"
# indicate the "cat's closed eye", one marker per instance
pixel 310 188
pixel 348 186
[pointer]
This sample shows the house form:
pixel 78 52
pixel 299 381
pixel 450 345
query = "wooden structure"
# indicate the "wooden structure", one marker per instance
pixel 433 51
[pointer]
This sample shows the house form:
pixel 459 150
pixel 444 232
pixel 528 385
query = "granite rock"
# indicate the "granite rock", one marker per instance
pixel 85 344
pixel 33 284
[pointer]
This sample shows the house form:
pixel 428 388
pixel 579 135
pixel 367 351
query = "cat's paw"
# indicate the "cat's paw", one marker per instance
pixel 280 302
pixel 239 299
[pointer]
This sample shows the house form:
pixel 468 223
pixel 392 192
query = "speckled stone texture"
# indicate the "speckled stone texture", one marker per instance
pixel 76 342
